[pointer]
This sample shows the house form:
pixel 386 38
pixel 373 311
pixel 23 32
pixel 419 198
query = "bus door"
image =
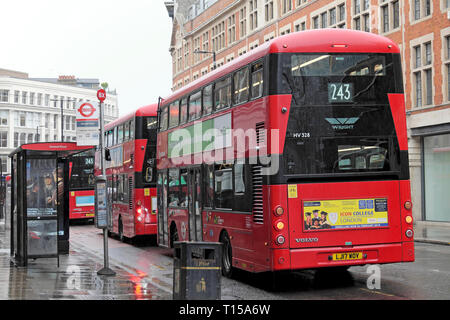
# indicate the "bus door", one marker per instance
pixel 195 204
pixel 163 228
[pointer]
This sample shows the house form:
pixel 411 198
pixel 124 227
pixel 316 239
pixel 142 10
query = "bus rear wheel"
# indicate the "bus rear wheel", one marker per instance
pixel 121 236
pixel 227 255
pixel 173 235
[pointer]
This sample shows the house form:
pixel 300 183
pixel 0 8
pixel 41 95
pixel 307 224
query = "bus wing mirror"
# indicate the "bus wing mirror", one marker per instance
pixel 107 155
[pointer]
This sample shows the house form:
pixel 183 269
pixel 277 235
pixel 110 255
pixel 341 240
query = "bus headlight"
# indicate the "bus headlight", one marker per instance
pixel 408 219
pixel 409 233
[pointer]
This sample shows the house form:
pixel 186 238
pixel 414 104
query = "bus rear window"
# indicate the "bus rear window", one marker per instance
pixel 337 65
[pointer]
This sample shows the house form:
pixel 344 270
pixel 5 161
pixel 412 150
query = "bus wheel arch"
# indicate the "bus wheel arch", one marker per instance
pixel 227 254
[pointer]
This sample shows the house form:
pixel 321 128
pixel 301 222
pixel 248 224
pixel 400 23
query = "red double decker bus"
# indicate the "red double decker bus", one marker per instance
pixel 131 172
pixel 81 186
pixel 293 156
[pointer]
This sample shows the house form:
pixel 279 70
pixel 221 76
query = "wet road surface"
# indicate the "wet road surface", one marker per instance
pixel 144 271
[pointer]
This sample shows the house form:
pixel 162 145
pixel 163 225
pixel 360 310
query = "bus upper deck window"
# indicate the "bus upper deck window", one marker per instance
pixel 257 80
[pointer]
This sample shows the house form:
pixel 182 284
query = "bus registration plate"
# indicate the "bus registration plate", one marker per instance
pixel 347 256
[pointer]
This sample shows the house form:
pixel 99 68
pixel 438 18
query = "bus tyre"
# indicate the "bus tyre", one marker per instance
pixel 121 236
pixel 173 235
pixel 227 255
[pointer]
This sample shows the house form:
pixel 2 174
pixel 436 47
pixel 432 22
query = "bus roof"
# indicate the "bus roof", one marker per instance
pixel 149 111
pixel 311 41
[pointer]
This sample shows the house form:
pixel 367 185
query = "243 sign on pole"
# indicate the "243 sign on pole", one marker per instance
pixel 88 123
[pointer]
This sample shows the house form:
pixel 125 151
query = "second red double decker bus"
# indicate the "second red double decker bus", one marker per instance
pixel 323 177
pixel 131 172
pixel 81 186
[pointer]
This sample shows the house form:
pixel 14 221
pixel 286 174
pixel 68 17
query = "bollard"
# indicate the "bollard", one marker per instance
pixel 197 270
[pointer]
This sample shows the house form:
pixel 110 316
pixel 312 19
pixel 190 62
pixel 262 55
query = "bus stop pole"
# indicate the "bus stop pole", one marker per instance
pixel 105 271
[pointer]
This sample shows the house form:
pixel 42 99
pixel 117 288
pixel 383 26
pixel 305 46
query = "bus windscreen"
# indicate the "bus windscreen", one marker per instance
pixel 340 119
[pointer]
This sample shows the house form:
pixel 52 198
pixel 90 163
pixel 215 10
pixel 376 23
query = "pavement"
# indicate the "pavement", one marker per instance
pixel 432 232
pixel 77 278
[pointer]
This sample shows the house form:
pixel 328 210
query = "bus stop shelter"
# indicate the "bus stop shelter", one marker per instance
pixel 39 200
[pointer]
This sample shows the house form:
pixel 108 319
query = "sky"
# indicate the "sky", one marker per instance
pixel 123 43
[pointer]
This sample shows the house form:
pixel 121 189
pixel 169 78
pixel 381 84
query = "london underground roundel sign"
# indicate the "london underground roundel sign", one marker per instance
pixel 101 95
pixel 86 110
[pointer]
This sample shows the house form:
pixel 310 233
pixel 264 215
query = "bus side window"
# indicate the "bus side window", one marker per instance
pixel 209 186
pixel 114 188
pixel 183 111
pixel 114 136
pixel 207 100
pixel 195 105
pixel 174 187
pixel 257 80
pixel 223 188
pixel 241 86
pixel 174 114
pixel 132 129
pixel 164 118
pixel 126 131
pixel 183 189
pixel 222 94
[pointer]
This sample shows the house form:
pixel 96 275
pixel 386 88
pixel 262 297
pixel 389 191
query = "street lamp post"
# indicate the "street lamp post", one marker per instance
pixel 62 114
pixel 209 52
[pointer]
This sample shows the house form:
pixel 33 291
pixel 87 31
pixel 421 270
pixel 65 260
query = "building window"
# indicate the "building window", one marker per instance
pixel 361 15
pixel 253 14
pixel 39 99
pixel 423 74
pixel 24 97
pixel 47 100
pixel 32 94
pixel 218 36
pixel 324 19
pixel 315 22
pixel 4 115
pixel 231 29
pixel 396 14
pixel 16 139
pixel 390 15
pixel 16 96
pixel 243 22
pixel 4 95
pixel 205 38
pixel 4 164
pixel 286 6
pixel 4 139
pixel 186 55
pixel 446 60
pixel 22 138
pixel 421 9
pixel 418 91
pixel 268 9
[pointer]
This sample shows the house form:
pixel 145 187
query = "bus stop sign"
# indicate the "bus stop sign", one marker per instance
pixel 101 95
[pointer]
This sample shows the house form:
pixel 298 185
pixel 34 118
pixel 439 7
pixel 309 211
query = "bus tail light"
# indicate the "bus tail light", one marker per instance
pixel 409 233
pixel 279 211
pixel 408 205
pixel 280 240
pixel 279 225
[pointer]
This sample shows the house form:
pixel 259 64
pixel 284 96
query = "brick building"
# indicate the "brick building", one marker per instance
pixel 230 28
